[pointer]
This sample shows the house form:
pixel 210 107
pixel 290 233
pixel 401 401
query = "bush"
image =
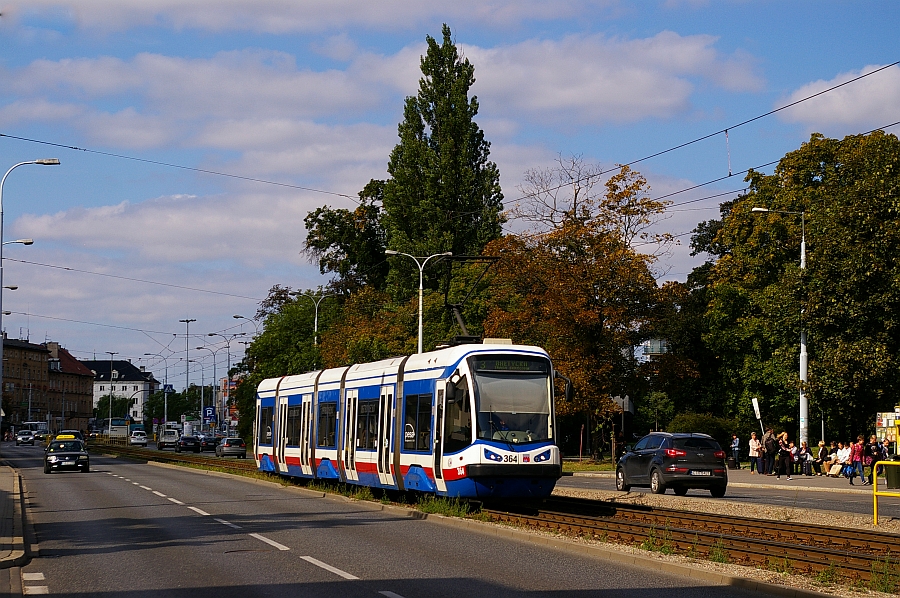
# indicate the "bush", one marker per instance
pixel 719 428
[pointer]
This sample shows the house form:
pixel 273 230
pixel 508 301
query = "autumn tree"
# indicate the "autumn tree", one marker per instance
pixel 847 297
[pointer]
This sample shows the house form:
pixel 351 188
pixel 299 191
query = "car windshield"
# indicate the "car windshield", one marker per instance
pixel 512 398
pixel 67 446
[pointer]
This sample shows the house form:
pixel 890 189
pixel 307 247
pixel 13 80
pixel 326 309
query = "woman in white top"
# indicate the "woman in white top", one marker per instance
pixel 755 454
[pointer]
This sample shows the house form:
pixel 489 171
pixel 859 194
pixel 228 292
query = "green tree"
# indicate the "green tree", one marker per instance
pixel 443 193
pixel 847 298
pixel 121 406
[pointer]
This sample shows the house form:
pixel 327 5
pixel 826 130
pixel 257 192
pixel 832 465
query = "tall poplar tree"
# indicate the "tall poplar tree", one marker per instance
pixel 443 193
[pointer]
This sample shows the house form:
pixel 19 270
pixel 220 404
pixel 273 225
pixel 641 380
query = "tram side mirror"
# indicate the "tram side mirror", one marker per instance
pixel 570 390
pixel 451 386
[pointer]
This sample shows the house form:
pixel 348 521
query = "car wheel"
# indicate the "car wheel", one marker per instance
pixel 197 450
pixel 718 491
pixel 621 486
pixel 657 486
pixel 86 469
pixel 46 469
pixel 680 490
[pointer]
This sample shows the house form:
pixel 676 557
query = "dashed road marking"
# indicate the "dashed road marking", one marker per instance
pixel 390 594
pixel 175 500
pixel 159 494
pixel 146 488
pixel 327 567
pixel 34 590
pixel 228 523
pixel 199 511
pixel 32 577
pixel 270 542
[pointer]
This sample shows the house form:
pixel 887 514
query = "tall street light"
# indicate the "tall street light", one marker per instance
pixel 421 266
pixel 804 402
pixel 215 398
pixel 187 353
pixel 111 353
pixel 42 162
pixel 252 321
pixel 316 317
pixel 228 338
pixel 165 385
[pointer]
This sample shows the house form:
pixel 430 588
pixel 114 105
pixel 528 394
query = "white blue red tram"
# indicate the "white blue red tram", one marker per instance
pixel 473 421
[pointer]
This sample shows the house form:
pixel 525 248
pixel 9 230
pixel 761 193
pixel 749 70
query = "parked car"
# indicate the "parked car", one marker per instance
pixel 66 452
pixel 679 461
pixel 24 437
pixel 138 438
pixel 41 436
pixel 168 438
pixel 234 447
pixel 208 442
pixel 187 443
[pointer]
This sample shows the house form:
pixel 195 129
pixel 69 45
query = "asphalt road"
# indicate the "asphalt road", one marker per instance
pixel 832 495
pixel 147 531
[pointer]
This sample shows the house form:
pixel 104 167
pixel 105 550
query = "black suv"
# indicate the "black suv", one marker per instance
pixel 663 460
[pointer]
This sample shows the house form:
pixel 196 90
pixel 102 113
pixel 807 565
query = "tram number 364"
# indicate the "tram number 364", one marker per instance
pixel 510 458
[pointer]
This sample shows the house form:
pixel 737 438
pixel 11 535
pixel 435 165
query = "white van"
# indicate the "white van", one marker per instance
pixel 168 438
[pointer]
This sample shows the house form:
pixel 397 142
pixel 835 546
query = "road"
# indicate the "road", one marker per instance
pixel 831 495
pixel 142 530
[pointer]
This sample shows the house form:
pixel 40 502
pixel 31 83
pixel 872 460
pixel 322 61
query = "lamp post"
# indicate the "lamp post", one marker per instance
pixel 228 338
pixel 215 398
pixel 421 266
pixel 111 353
pixel 42 162
pixel 252 321
pixel 316 313
pixel 187 354
pixel 804 402
pixel 165 385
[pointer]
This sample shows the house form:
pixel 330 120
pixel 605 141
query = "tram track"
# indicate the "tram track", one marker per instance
pixel 239 465
pixel 780 545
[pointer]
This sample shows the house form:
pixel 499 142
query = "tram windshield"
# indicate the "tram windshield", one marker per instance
pixel 512 398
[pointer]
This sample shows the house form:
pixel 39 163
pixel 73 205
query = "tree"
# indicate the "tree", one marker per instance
pixel 121 406
pixel 443 193
pixel 847 298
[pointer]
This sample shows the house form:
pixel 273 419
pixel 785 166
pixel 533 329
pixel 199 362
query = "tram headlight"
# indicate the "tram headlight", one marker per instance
pixel 545 456
pixel 492 456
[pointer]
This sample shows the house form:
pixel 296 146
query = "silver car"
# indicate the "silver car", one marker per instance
pixel 234 447
pixel 24 437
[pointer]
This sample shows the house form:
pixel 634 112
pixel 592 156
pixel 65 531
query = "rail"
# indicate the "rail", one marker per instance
pixel 159 456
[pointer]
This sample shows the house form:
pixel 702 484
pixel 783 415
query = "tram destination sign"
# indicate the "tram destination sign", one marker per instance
pixel 508 363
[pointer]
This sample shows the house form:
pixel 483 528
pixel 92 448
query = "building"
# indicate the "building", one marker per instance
pixel 127 380
pixel 45 383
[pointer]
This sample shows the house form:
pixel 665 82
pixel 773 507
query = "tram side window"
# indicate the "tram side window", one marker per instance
pixel 458 420
pixel 367 424
pixel 293 426
pixel 417 431
pixel 265 425
pixel 327 425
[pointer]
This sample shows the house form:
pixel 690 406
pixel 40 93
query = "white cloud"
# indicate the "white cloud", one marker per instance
pixel 289 16
pixel 593 79
pixel 867 103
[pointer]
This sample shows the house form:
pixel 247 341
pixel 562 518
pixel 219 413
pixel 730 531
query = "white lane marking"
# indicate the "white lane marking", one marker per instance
pixel 228 523
pixel 175 500
pixel 159 494
pixel 270 542
pixel 32 577
pixel 146 488
pixel 390 594
pixel 327 567
pixel 199 511
pixel 35 590
pixel 126 479
pixel 135 483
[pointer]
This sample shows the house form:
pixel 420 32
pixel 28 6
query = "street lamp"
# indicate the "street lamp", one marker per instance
pixel 165 386
pixel 187 354
pixel 252 321
pixel 316 317
pixel 111 353
pixel 804 402
pixel 215 398
pixel 228 338
pixel 42 162
pixel 421 266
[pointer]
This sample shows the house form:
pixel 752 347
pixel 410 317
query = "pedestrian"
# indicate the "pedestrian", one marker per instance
pixel 755 454
pixel 736 450
pixel 785 457
pixel 821 460
pixel 770 444
pixel 856 460
pixel 871 455
pixel 795 459
pixel 806 459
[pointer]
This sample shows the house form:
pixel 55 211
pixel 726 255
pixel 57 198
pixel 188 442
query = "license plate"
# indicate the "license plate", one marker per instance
pixel 695 472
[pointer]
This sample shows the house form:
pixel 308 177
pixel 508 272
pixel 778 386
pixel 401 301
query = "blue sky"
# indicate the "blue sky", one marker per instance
pixel 310 93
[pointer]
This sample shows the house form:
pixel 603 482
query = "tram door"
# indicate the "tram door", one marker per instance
pixel 439 410
pixel 385 431
pixel 305 426
pixel 279 436
pixel 349 456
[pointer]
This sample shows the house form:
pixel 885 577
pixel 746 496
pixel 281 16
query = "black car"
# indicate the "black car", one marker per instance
pixel 66 453
pixel 679 461
pixel 208 442
pixel 187 443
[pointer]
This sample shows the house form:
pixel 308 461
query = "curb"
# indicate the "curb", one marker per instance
pixel 17 556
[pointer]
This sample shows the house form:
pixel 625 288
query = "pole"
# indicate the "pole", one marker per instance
pixel 111 353
pixel 804 401
pixel 421 266
pixel 187 353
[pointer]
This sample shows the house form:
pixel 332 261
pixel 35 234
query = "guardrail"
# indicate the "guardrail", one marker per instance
pixel 876 492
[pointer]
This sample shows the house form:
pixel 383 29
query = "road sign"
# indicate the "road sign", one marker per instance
pixel 168 388
pixel 209 414
pixel 756 407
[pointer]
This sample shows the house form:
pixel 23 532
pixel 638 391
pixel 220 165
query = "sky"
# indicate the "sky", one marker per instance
pixel 195 135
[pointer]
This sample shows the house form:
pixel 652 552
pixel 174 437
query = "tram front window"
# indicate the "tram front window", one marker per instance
pixel 512 406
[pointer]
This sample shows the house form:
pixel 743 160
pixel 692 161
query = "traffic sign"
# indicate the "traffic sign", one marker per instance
pixel 168 388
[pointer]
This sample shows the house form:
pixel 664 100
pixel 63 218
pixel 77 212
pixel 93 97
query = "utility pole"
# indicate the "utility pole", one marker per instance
pixel 111 353
pixel 187 353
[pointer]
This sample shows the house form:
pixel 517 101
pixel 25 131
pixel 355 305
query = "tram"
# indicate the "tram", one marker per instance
pixel 468 421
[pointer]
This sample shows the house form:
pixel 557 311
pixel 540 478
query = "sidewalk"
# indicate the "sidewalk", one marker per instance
pixel 12 537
